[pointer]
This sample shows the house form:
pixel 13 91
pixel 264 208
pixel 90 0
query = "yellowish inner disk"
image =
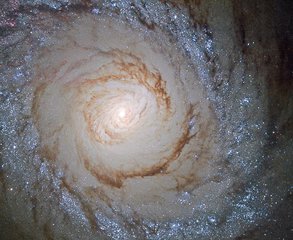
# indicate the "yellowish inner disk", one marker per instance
pixel 123 115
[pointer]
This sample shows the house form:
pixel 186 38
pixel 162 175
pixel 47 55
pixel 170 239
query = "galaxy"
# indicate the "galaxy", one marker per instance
pixel 145 120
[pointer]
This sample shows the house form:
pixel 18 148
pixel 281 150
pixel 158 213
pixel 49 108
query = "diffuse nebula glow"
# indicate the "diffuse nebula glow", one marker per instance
pixel 121 112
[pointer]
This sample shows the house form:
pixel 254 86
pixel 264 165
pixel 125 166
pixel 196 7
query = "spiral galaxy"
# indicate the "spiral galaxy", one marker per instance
pixel 123 114
pixel 145 120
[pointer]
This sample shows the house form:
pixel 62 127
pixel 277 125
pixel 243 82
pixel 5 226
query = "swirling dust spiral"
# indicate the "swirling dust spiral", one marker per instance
pixel 124 117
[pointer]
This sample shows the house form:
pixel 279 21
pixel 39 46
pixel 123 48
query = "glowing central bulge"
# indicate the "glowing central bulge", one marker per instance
pixel 123 114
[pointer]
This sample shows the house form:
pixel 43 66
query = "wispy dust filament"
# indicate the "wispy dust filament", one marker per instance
pixel 113 109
